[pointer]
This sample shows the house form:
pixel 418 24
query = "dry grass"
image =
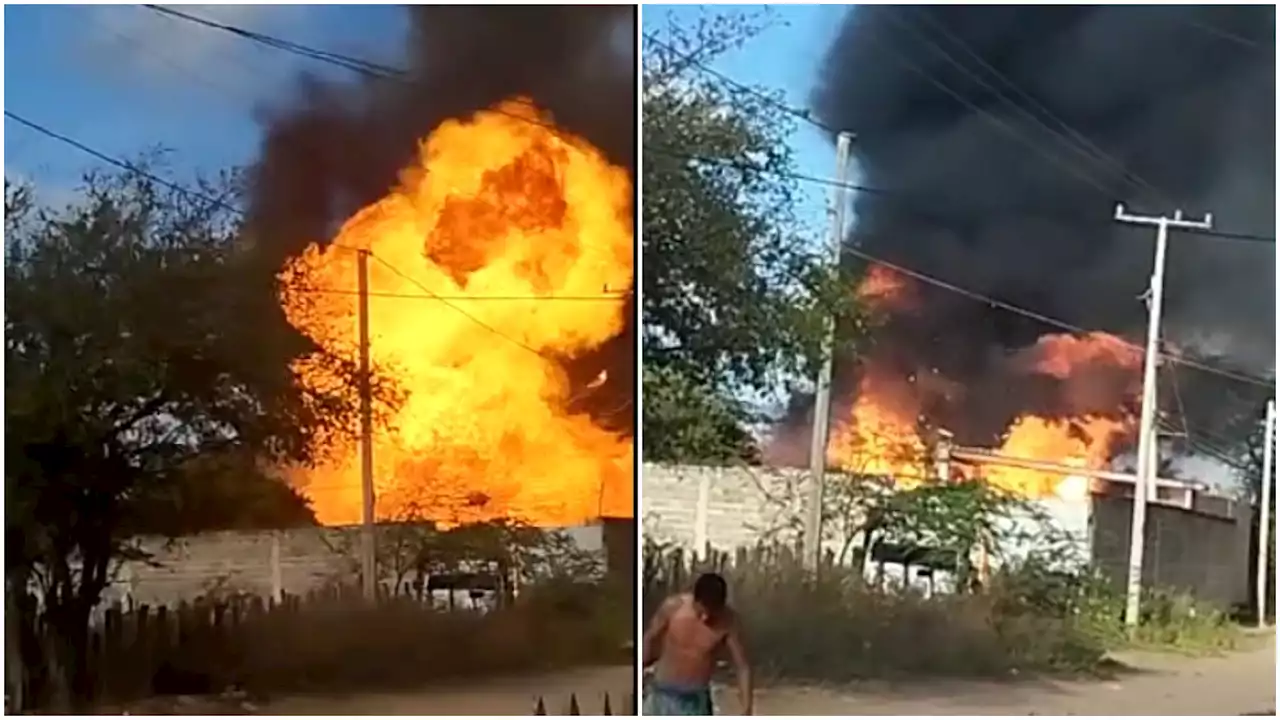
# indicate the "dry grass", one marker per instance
pixel 339 645
pixel 836 629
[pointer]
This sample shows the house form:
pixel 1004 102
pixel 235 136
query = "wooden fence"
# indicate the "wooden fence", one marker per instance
pixel 135 652
pixel 209 646
pixel 667 571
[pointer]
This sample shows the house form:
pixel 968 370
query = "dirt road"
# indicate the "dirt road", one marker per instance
pixel 508 696
pixel 1236 684
pixel 1160 684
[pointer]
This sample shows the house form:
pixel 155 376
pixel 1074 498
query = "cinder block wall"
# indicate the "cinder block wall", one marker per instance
pixel 730 507
pixel 726 507
pixel 242 562
pixel 234 562
pixel 1203 554
pixel 738 506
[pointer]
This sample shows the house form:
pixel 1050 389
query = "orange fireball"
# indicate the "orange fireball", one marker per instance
pixel 505 248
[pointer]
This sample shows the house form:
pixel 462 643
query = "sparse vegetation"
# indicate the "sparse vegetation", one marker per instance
pixel 838 627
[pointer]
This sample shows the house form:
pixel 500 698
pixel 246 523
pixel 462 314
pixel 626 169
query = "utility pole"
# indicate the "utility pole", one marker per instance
pixel 368 546
pixel 812 537
pixel 1147 437
pixel 1264 511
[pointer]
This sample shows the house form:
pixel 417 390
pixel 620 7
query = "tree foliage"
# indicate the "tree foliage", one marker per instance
pixel 147 367
pixel 736 296
pixel 1252 456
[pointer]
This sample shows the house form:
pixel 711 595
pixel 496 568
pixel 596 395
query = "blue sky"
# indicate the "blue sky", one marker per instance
pixel 124 80
pixel 784 57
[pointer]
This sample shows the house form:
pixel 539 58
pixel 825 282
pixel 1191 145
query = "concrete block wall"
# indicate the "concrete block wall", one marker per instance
pixel 739 506
pixel 726 507
pixel 730 507
pixel 234 562
pixel 1203 554
pixel 261 563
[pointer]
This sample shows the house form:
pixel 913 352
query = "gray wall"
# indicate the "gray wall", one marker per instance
pixel 726 507
pixel 1207 555
pixel 740 506
pixel 729 507
pixel 246 562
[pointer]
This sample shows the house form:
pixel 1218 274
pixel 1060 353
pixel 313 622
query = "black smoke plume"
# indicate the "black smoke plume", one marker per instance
pixel 1181 97
pixel 334 147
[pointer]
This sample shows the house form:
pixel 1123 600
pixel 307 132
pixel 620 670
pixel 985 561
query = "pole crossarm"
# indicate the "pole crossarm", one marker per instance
pixel 1148 438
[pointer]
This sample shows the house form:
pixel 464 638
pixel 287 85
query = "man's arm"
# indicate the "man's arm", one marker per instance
pixel 652 643
pixel 742 668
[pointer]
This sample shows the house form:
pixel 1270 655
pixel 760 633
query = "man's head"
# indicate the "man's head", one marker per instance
pixel 710 592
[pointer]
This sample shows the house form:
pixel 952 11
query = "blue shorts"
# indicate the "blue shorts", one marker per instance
pixel 665 698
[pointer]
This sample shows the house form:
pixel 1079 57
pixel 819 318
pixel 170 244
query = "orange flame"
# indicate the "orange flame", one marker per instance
pixel 883 287
pixel 880 435
pixel 522 233
pixel 1085 442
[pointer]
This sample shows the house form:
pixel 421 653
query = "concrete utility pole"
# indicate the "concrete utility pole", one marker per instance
pixel 822 396
pixel 1147 437
pixel 368 547
pixel 1264 512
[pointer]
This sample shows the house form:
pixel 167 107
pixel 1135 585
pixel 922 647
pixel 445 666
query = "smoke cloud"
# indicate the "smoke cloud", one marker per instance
pixel 334 147
pixel 987 198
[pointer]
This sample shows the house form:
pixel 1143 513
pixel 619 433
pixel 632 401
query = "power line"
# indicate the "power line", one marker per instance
pixel 1061 324
pixel 605 297
pixel 903 196
pixel 803 115
pixel 1087 148
pixel 891 193
pixel 457 309
pixel 853 251
pixel 357 65
pixel 353 64
pixel 374 69
pixel 1218 32
pixel 129 167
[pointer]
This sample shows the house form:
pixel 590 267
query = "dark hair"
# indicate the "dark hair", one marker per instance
pixel 710 591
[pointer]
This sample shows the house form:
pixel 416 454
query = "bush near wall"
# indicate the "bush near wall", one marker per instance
pixel 333 641
pixel 834 627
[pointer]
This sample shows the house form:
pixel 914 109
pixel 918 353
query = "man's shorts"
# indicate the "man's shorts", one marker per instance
pixel 664 698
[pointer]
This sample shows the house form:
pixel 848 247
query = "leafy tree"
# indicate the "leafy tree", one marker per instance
pixel 1251 456
pixel 228 490
pixel 735 298
pixel 691 423
pixel 144 349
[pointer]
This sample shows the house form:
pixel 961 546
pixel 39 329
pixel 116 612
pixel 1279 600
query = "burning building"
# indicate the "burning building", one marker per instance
pixel 491 181
pixel 1005 136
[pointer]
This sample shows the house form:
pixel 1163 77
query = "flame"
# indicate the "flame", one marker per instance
pixel 523 234
pixel 880 435
pixel 883 287
pixel 1081 442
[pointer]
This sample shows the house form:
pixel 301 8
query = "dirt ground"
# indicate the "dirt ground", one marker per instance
pixel 507 696
pixel 1237 684
pixel 1159 684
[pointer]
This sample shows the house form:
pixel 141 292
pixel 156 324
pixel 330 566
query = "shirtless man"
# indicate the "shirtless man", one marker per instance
pixel 683 641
